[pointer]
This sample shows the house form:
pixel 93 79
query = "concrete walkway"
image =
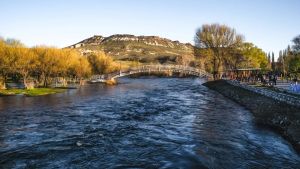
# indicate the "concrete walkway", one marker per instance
pixel 283 84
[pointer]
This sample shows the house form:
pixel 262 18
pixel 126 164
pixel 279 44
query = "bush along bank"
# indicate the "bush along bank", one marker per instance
pixel 280 112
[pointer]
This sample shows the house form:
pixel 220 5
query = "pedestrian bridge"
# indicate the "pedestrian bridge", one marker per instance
pixel 153 68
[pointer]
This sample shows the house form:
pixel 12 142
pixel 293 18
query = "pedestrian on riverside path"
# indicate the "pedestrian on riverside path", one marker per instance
pixel 270 79
pixel 275 79
pixel 295 80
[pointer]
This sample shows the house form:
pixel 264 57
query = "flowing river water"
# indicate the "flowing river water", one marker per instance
pixel 140 123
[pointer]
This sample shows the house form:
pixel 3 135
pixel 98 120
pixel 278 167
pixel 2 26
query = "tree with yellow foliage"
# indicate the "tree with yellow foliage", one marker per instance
pixel 49 63
pixel 26 63
pixel 101 63
pixel 254 57
pixel 8 58
pixel 45 63
pixel 82 69
pixel 3 64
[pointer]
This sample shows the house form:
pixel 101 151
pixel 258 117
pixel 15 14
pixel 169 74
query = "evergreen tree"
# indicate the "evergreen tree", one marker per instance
pixel 273 61
pixel 280 57
pixel 289 50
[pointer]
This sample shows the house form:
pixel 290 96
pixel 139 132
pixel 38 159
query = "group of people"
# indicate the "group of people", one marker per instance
pixel 272 79
pixel 269 78
pixel 288 81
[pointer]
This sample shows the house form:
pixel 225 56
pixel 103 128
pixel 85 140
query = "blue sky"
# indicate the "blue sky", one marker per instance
pixel 270 24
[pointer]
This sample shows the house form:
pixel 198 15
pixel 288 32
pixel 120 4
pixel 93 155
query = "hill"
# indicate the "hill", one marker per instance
pixel 146 49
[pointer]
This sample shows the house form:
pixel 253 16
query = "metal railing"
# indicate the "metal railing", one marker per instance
pixel 155 68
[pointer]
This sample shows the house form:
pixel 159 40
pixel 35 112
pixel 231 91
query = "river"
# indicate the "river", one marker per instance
pixel 140 123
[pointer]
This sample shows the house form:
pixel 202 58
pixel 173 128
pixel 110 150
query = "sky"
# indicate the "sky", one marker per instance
pixel 269 24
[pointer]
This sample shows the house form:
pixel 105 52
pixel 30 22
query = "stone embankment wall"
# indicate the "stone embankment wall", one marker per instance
pixel 287 98
pixel 277 110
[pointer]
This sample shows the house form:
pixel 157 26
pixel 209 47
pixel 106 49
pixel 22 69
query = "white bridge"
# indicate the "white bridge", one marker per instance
pixel 153 68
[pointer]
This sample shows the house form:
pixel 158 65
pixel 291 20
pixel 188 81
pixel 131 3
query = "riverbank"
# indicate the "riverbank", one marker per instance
pixel 280 112
pixel 31 92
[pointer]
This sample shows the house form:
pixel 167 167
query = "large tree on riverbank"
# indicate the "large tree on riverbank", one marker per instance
pixel 220 40
pixel 26 63
pixel 8 59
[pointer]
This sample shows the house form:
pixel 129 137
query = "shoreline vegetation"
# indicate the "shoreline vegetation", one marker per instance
pixel 43 66
pixel 218 49
pixel 31 92
pixel 280 116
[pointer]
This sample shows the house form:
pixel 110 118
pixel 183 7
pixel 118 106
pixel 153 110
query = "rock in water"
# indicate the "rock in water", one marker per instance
pixel 79 143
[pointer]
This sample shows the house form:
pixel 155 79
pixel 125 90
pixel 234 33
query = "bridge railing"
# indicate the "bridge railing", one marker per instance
pixel 152 68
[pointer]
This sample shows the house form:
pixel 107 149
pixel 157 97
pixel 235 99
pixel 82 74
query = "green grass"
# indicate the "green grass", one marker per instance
pixel 31 92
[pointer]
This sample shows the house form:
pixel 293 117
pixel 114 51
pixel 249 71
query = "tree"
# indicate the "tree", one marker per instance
pixel 290 57
pixel 219 39
pixel 269 58
pixel 82 69
pixel 25 64
pixel 296 44
pixel 280 61
pixel 101 63
pixel 43 63
pixel 254 57
pixel 8 58
pixel 203 59
pixel 280 56
pixel 49 63
pixel 235 60
pixel 273 62
pixel 3 64
pixel 65 66
pixel 294 65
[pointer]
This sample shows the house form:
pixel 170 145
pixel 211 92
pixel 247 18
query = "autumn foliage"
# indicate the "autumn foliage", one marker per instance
pixel 42 65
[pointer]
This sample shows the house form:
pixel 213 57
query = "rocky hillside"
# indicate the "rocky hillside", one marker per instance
pixel 138 48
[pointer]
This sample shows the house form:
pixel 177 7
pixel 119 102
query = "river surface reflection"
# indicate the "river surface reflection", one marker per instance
pixel 141 123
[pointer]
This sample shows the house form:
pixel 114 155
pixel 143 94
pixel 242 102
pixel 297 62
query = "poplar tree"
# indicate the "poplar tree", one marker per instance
pixel 273 62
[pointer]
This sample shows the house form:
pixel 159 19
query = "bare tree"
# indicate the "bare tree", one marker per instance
pixel 219 39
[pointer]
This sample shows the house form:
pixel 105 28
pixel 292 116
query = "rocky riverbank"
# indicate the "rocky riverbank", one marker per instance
pixel 279 111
